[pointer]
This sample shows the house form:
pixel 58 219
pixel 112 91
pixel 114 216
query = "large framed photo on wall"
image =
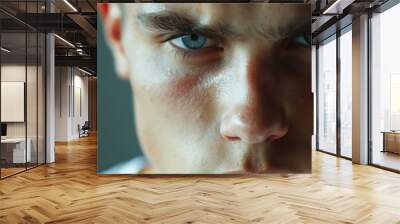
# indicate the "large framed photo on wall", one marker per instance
pixel 204 88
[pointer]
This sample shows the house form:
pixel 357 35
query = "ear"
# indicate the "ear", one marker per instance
pixel 111 15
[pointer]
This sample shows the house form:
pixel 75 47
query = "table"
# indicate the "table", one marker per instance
pixel 391 141
pixel 13 150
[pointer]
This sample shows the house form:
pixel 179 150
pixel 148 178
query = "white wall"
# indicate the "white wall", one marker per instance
pixel 33 127
pixel 62 81
pixel 80 110
pixel 12 73
pixel 71 93
pixel 16 73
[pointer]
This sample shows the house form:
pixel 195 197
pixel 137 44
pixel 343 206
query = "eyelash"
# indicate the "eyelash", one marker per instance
pixel 298 40
pixel 169 38
pixel 186 53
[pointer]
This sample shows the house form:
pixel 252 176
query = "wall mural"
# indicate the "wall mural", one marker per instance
pixel 204 88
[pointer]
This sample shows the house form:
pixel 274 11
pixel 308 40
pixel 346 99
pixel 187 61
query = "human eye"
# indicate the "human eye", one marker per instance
pixel 296 43
pixel 195 47
pixel 293 53
pixel 303 40
pixel 192 41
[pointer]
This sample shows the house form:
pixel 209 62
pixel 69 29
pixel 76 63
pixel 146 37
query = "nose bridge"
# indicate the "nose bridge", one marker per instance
pixel 254 115
pixel 251 78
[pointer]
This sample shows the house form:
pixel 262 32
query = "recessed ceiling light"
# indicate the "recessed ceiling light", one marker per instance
pixel 5 50
pixel 65 41
pixel 84 71
pixel 70 5
pixel 337 7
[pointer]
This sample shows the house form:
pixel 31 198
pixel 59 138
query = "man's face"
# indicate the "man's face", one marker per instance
pixel 219 87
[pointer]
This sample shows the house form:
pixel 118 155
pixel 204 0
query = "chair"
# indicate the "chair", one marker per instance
pixel 84 130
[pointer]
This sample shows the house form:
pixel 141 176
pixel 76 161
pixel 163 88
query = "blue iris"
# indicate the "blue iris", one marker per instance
pixel 194 41
pixel 303 40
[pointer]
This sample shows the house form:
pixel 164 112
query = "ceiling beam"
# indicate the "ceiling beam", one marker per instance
pixel 84 24
pixel 82 61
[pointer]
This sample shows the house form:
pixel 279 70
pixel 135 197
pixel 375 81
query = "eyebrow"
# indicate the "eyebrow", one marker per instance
pixel 282 32
pixel 169 21
pixel 174 22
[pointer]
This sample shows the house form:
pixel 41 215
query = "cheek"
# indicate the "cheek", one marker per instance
pixel 189 92
pixel 295 77
pixel 183 102
pixel 189 97
pixel 184 87
pixel 182 114
pixel 174 90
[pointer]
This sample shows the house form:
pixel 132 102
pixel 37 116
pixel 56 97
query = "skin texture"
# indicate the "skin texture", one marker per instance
pixel 242 103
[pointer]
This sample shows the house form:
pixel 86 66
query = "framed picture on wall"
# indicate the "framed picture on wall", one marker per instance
pixel 12 101
pixel 212 88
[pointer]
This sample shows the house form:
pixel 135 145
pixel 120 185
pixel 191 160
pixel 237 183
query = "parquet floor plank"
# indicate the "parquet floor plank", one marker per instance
pixel 70 191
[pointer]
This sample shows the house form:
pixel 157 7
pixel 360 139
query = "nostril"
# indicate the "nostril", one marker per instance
pixel 245 127
pixel 272 138
pixel 277 134
pixel 232 138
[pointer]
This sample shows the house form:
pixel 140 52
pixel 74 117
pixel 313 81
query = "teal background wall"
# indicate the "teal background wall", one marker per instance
pixel 116 137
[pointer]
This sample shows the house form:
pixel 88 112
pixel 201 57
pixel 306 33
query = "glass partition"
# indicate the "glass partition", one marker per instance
pixel 327 96
pixel 385 89
pixel 22 90
pixel 14 153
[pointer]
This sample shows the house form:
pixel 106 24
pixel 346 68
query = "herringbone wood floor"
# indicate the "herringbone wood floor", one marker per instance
pixel 70 191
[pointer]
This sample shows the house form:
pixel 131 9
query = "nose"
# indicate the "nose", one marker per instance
pixel 257 113
pixel 245 124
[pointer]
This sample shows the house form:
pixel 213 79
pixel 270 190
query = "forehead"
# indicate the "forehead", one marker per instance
pixel 236 15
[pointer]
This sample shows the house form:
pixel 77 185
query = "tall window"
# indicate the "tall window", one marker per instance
pixel 346 92
pixel 385 88
pixel 327 96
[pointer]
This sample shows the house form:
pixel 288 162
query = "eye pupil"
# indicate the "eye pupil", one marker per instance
pixel 193 41
pixel 194 37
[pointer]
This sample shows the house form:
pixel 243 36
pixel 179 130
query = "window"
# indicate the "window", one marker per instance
pixel 385 88
pixel 346 93
pixel 327 96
